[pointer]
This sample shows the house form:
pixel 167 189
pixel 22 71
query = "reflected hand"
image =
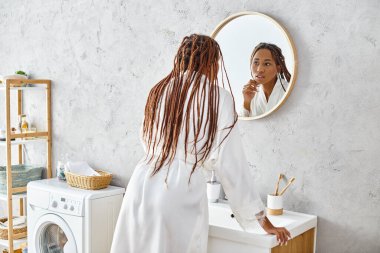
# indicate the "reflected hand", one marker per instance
pixel 249 91
pixel 281 233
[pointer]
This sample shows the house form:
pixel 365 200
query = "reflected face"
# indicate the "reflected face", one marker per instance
pixel 264 68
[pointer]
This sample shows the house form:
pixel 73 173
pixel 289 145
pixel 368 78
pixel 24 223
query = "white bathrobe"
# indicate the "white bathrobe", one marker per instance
pixel 259 103
pixel 173 218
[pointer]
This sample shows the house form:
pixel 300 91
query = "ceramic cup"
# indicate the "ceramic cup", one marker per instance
pixel 274 205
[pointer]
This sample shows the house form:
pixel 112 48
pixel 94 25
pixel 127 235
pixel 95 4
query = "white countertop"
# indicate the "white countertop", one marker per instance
pixel 223 226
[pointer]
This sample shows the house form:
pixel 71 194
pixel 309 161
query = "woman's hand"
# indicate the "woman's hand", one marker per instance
pixel 249 91
pixel 281 233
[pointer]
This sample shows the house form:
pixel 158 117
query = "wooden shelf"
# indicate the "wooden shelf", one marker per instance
pixel 46 137
pixel 4 196
pixel 2 88
pixel 20 142
pixel 16 243
pixel 21 82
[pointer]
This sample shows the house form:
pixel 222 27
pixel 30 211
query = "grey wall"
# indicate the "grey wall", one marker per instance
pixel 103 57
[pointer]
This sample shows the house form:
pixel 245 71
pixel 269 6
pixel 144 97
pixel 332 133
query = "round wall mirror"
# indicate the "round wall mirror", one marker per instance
pixel 260 60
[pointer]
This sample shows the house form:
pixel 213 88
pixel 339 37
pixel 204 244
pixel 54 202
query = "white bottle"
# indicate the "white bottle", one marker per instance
pixel 213 188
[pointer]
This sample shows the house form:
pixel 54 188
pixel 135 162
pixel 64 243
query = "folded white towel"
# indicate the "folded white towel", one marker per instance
pixel 81 168
pixel 17 222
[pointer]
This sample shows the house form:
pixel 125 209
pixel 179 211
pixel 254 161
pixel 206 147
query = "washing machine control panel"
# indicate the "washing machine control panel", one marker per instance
pixel 66 204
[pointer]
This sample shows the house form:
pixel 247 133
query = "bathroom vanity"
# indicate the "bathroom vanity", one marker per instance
pixel 226 235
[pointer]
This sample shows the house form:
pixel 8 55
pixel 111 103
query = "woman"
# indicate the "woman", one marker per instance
pixel 188 125
pixel 269 83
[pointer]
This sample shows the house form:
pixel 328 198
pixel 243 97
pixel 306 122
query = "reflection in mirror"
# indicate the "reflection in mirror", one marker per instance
pixel 269 80
pixel 260 61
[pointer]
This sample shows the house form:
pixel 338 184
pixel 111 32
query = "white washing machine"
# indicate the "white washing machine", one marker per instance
pixel 71 220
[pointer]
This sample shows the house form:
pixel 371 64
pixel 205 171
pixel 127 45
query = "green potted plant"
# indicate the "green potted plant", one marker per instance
pixel 20 72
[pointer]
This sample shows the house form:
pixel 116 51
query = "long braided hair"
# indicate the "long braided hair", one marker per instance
pixel 195 72
pixel 278 58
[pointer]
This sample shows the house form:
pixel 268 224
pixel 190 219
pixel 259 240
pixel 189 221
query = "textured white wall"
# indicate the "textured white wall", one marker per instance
pixel 103 57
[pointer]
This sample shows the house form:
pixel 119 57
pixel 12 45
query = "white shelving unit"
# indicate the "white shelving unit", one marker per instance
pixel 19 140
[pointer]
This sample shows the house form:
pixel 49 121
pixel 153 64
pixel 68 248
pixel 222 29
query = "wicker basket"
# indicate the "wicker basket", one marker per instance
pixel 89 182
pixel 18 233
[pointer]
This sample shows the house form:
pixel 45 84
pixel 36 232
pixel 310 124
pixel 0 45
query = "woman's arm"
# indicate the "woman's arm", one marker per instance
pixel 282 234
pixel 231 166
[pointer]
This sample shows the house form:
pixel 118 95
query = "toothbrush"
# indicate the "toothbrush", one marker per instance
pixel 286 187
pixel 278 183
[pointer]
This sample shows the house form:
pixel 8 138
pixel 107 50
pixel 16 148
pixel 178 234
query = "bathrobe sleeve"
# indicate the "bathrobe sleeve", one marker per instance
pixel 232 170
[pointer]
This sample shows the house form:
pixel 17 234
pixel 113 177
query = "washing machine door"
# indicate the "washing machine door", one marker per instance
pixel 53 235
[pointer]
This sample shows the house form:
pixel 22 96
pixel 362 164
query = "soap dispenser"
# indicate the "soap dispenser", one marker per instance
pixel 213 188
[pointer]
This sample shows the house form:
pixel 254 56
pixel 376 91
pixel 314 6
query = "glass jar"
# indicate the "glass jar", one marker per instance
pixel 61 171
pixel 24 123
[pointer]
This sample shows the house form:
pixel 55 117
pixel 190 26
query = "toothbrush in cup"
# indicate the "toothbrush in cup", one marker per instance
pixel 278 183
pixel 286 187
